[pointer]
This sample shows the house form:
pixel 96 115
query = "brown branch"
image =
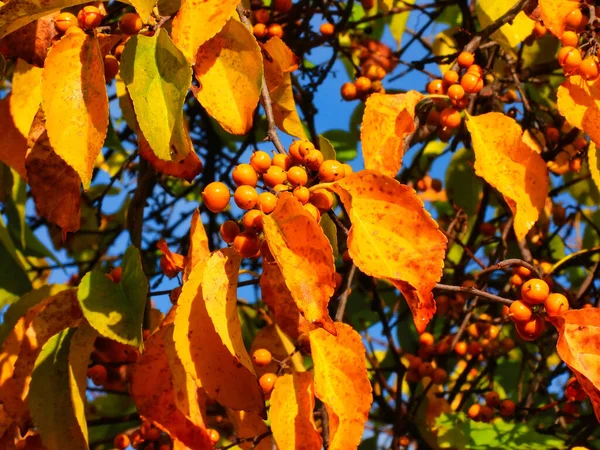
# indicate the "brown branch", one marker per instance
pixel 475 292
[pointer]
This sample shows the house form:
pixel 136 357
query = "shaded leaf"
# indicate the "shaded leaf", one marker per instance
pixel 158 77
pixel 272 338
pixel 30 42
pixel 510 34
pixel 208 334
pixel 445 45
pixel 143 7
pixel 341 383
pixel 26 95
pixel 462 185
pixel 188 168
pixel 13 145
pixel 326 148
pixel 229 68
pixel 198 250
pixel 394 237
pixel 387 121
pixel 249 425
pixel 554 14
pixel 291 413
pixel 116 310
pixel 14 280
pixel 398 22
pixel 579 102
pixel 511 166
pixel 304 256
pixel 175 262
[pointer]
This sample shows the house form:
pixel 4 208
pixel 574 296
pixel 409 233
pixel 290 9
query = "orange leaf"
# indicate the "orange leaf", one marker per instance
pixel 199 20
pixel 278 65
pixel 579 102
pixel 272 338
pixel 291 414
pixel 229 68
pixel 208 334
pixel 48 175
pixel 388 119
pixel 30 42
pixel 304 256
pixel 13 144
pixel 249 425
pixel 342 383
pixel 578 346
pixel 511 166
pixel 279 299
pixel 188 168
pixel 26 95
pixel 554 14
pixel 394 237
pixel 165 394
pixel 170 263
pixel 73 86
pixel 198 250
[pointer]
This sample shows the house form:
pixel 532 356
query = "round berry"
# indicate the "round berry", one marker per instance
pixel 275 30
pixel 252 220
pixel 569 58
pixel 260 30
pixel 121 441
pixel 471 82
pixel 266 202
pixel 556 304
pixel 274 176
pixel 131 23
pixel 569 39
pixel 216 196
pixel 260 161
pixel 302 194
pixel 574 19
pixel 64 21
pixel 506 408
pixel 297 176
pixel 262 16
pixel 456 92
pixel 465 59
pixel 213 435
pixel 97 374
pixel 492 399
pixel 450 77
pixel 331 170
pixel 535 291
pixel 539 30
pixel 282 6
pixel 322 199
pixel 244 175
pixel 425 369
pixel 589 69
pixel 460 348
pixel 436 87
pixel 474 411
pixel 327 29
pixel 111 67
pixel 262 357
pixel 439 376
pixel 532 328
pixel 281 160
pixel 89 17
pixel 313 159
pixel 520 311
pixel 450 118
pixel 245 197
pixel 349 91
pixel 247 244
pixel 267 382
pixel 229 230
pixel 476 69
pixel 363 85
pixel 312 209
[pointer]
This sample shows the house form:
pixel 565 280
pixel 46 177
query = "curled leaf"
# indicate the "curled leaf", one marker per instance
pixel 171 263
pixel 198 250
pixel 394 237
pixel 554 14
pixel 26 95
pixel 387 121
pixel 188 168
pixel 579 102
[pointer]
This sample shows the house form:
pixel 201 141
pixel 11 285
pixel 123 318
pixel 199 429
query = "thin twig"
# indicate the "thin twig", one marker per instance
pixel 475 292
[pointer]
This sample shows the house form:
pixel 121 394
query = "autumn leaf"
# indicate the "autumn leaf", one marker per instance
pixel 13 145
pixel 229 68
pixel 58 388
pixel 26 95
pixel 158 78
pixel 208 334
pixel 31 42
pixel 387 121
pixel 143 7
pixel 116 310
pixel 249 426
pixel 199 20
pixel 342 384
pixel 578 346
pixel 198 250
pixel 304 256
pixel 444 44
pixel 594 163
pixel 511 166
pixel 273 339
pixel 554 14
pixel 393 237
pixel 510 34
pixel 579 102
pixel 188 168
pixel 171 263
pixel 169 397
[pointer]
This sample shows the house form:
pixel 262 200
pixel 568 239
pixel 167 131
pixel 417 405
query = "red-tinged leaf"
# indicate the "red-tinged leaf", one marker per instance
pixel 26 95
pixel 578 346
pixel 394 237
pixel 73 86
pixel 511 166
pixel 304 256
pixel 229 68
pixel 208 334
pixel 171 263
pixel 31 42
pixel 165 394
pixel 342 383
pixel 249 426
pixel 278 297
pixel 273 339
pixel 13 145
pixel 579 102
pixel 388 119
pixel 291 413
pixel 55 186
pixel 554 14
pixel 198 250
pixel 188 168
pixel 199 20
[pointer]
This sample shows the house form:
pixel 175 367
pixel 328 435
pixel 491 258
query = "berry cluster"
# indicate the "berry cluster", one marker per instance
pixel 365 84
pixel 485 412
pixel 264 26
pixel 305 166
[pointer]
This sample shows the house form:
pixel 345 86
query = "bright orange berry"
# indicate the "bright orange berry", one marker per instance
pixel 297 176
pixel 64 21
pixel 247 244
pixel 313 159
pixel 450 118
pixel 312 209
pixel 245 197
pixel 363 85
pixel 322 199
pixel 535 291
pixel 130 23
pixel 520 311
pixel 266 202
pixel 556 304
pixel 275 30
pixel 302 194
pixel 260 161
pixel 244 174
pixel 121 441
pixel 229 230
pixel 331 170
pixel 252 220
pixel 262 357
pixel 465 59
pixel 327 29
pixel 450 77
pixel 267 382
pixel 589 69
pixel 436 87
pixel 348 91
pixel 89 17
pixel 274 176
pixel 216 196
pixel 282 161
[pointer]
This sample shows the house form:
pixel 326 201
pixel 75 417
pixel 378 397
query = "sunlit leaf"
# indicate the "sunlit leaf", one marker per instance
pixel 510 34
pixel 579 103
pixel 554 14
pixel 594 164
pixel 398 22
pixel 249 426
pixel 26 95
pixel 198 250
pixel 445 45
pixel 143 7
pixel 188 168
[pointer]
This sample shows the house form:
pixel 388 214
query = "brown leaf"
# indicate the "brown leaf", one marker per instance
pixel 198 250
pixel 173 263
pixel 31 42
pixel 249 425
pixel 13 145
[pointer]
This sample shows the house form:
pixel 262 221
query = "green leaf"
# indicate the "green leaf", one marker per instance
pixel 540 51
pixel 330 231
pixel 326 148
pixel 444 44
pixel 14 281
pixel 451 15
pixel 591 238
pixel 343 142
pixel 462 185
pixel 116 310
pixel 584 191
pixel 158 77
pixel 57 391
pixel 509 35
pixel 397 22
pixel 431 151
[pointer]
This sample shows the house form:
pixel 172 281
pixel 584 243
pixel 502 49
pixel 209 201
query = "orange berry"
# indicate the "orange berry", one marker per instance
pixel 465 59
pixel 471 82
pixel 244 174
pixel 475 69
pixel 347 169
pixel 296 155
pixel 121 441
pixel 456 92
pixel 302 194
pixel 297 176
pixel 516 280
pixel 260 161
pixel 282 161
pixel 252 220
pixel 507 344
pixel 331 170
pixel 322 199
pixel 97 374
pixel 77 30
pixel 313 159
pixel 507 408
pixel 450 77
pixel 89 17
pixel 64 21
pixel 486 414
pixel 404 441
pixel 522 271
pixel 267 382
pixel 245 197
pixel 118 51
pixel 327 29
pixel 262 16
pixel 312 209
pixel 116 274
pixel 556 304
pixel 580 143
pixel 266 202
pixel 275 30
pixel 349 91
pixel 216 196
pixel 282 6
pixel 474 411
pixel 569 58
pixel 569 39
pixel 131 23
pixel 436 87
pixel 274 176
pixel 425 369
pixel 426 339
pixel 492 399
pixel 260 30
pixel 281 188
pixel 111 67
pixel 247 244
pixel 363 85
pixel 589 69
pixel 461 103
pixel 460 348
pixel 213 435
pixel 372 72
pixel 574 19
pixel 450 118
pixel 262 357
pixel 532 328
pixel 439 376
pixel 535 291
pixel 229 230
pixel 539 30
pixel 474 348
pixel 520 311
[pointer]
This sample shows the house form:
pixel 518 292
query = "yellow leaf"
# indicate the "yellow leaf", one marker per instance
pixel 13 145
pixel 511 166
pixel 229 68
pixel 199 20
pixel 388 119
pixel 26 95
pixel 73 86
pixel 394 237
pixel 554 14
pixel 198 250
pixel 143 7
pixel 341 383
pixel 291 413
pixel 594 163
pixel 272 338
pixel 510 34
pixel 31 42
pixel 278 65
pixel 125 104
pixel 445 44
pixel 304 256
pixel 579 102
pixel 208 334
pixel 249 426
